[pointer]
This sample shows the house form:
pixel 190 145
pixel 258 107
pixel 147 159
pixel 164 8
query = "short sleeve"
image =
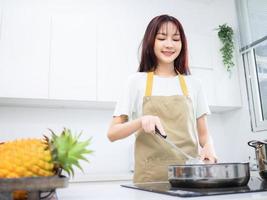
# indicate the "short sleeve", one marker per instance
pixel 126 101
pixel 202 106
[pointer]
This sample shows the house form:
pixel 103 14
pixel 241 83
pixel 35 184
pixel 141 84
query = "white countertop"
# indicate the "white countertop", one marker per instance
pixel 112 190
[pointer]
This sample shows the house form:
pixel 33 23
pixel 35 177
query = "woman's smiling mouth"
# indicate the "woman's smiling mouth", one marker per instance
pixel 168 53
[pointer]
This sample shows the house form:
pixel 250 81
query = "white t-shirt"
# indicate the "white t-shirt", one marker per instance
pixel 131 100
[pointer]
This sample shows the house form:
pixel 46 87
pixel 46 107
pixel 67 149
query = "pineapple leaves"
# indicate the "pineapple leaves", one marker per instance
pixel 67 150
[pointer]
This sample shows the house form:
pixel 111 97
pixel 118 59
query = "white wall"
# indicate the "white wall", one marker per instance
pixel 108 158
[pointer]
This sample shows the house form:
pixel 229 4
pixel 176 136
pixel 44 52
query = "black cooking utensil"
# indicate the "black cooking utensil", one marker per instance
pixel 159 133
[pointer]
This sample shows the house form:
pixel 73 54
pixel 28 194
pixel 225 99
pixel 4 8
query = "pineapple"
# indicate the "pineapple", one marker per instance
pixel 42 157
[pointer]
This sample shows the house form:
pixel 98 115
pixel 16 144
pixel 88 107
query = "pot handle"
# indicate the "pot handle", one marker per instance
pixel 255 143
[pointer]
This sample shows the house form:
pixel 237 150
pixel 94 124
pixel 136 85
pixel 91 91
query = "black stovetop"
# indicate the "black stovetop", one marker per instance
pixel 255 184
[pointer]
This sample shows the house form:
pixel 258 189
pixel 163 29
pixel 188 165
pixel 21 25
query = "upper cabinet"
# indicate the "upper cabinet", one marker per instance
pixel 86 50
pixel 73 57
pixel 118 39
pixel 201 54
pixel 201 50
pixel 24 52
pixel 221 87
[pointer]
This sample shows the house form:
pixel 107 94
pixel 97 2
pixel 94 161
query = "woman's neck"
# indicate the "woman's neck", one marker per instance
pixel 166 70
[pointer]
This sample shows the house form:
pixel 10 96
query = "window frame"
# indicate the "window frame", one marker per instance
pixel 249 61
pixel 247 50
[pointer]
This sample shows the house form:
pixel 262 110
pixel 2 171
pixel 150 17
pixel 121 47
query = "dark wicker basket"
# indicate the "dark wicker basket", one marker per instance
pixel 35 186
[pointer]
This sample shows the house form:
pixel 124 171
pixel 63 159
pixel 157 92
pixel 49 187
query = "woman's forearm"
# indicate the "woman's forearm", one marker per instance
pixel 121 130
pixel 207 152
pixel 203 131
pixel 203 136
pixel 204 139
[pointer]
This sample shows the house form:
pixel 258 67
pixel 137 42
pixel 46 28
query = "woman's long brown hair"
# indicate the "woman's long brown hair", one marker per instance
pixel 148 57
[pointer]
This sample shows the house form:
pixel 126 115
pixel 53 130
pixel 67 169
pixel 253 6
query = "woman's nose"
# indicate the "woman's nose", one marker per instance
pixel 169 43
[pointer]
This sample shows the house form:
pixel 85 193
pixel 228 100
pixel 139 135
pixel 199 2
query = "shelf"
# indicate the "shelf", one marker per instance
pixel 52 103
pixel 76 104
pixel 221 109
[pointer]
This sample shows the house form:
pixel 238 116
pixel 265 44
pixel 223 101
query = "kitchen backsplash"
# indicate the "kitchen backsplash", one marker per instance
pixel 110 160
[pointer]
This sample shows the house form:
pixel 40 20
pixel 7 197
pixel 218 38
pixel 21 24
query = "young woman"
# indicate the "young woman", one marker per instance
pixel 163 94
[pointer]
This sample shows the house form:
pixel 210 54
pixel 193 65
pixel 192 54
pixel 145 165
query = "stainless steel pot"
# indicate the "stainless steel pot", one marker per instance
pixel 199 175
pixel 209 175
pixel 261 154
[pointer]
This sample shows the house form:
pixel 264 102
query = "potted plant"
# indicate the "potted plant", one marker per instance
pixel 225 34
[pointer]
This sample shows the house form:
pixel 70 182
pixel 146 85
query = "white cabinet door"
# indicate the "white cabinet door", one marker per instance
pixel 200 50
pixel 117 54
pixel 24 52
pixel 222 90
pixel 227 84
pixel 73 57
pixel 207 79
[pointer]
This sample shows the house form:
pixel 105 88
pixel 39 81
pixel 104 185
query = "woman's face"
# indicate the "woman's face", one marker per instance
pixel 168 44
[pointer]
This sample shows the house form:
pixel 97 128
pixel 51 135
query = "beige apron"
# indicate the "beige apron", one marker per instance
pixel 152 154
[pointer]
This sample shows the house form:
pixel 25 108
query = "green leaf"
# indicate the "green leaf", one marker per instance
pixel 67 150
pixel 225 34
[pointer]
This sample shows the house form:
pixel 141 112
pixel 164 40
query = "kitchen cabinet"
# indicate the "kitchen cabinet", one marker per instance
pixel 200 48
pixel 126 33
pixel 1 20
pixel 47 54
pixel 221 87
pixel 118 38
pixel 223 91
pixel 73 57
pixel 226 85
pixel 85 52
pixel 24 52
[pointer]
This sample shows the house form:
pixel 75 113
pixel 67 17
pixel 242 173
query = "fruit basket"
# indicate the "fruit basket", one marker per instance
pixel 30 168
pixel 37 187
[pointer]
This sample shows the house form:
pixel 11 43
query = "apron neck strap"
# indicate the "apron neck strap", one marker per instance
pixel 183 85
pixel 149 84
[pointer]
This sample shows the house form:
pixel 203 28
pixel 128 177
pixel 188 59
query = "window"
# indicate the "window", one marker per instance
pixel 260 54
pixel 252 16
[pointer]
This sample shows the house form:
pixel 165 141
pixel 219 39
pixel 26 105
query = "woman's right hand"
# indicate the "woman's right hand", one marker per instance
pixel 149 122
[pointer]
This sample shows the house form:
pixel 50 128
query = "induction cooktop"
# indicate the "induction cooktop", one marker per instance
pixel 255 184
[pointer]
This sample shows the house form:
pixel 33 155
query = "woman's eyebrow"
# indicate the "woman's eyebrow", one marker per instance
pixel 161 33
pixel 175 34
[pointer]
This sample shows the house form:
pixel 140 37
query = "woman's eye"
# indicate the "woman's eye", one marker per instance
pixel 161 39
pixel 177 40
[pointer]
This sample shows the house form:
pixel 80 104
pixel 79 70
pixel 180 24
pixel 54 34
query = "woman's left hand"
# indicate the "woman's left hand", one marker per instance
pixel 207 154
